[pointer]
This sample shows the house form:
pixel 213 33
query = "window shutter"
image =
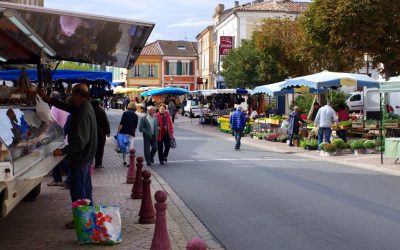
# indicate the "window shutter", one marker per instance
pixel 155 70
pixel 143 73
pixel 191 68
pixel 131 72
pixel 167 68
pixel 179 68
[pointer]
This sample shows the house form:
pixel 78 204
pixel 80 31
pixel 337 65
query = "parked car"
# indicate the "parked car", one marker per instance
pixel 192 108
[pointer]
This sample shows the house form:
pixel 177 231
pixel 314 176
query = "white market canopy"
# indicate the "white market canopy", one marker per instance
pixel 392 85
pixel 327 79
pixel 208 92
pixel 269 89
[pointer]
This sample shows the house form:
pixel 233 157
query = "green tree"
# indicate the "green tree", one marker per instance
pixel 240 66
pixel 356 27
pixel 280 44
pixel 77 66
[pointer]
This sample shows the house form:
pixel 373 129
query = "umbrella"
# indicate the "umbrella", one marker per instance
pixel 327 79
pixel 166 91
pixel 122 90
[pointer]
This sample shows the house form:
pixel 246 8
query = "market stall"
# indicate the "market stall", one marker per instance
pixel 37 36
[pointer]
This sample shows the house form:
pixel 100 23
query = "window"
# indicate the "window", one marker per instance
pixel 185 68
pixel 137 71
pixel 151 71
pixel 172 68
pixel 355 98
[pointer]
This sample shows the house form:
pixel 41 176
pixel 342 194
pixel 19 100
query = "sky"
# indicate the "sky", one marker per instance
pixel 174 19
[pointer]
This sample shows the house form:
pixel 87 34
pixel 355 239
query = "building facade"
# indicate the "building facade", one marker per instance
pixel 205 58
pixel 240 21
pixel 29 2
pixel 166 64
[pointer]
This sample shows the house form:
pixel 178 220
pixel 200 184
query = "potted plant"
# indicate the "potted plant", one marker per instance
pixel 340 145
pixel 322 148
pixel 369 146
pixel 312 144
pixel 347 148
pixel 357 146
pixel 304 144
pixel 330 149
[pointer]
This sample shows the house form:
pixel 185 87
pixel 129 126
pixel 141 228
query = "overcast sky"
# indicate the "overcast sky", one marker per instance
pixel 174 19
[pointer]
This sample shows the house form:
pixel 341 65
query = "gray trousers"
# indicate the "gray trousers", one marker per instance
pixel 149 148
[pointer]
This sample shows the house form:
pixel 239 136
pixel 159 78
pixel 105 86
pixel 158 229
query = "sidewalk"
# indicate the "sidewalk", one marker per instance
pixel 40 225
pixel 366 161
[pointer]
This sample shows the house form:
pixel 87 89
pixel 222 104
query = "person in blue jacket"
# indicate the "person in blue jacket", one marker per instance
pixel 237 122
pixel 294 127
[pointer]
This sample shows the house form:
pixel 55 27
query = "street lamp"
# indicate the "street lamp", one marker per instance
pixel 367 60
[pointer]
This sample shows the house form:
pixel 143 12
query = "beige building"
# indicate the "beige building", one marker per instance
pixel 205 60
pixel 29 2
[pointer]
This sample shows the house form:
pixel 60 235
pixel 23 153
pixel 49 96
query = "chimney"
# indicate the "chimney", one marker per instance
pixel 218 12
pixel 237 4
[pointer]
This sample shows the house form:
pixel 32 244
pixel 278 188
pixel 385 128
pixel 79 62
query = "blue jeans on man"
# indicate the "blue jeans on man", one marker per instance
pixel 238 136
pixel 81 182
pixel 324 135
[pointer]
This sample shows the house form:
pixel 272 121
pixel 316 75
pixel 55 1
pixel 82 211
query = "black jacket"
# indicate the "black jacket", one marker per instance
pixel 129 122
pixel 103 126
pixel 82 134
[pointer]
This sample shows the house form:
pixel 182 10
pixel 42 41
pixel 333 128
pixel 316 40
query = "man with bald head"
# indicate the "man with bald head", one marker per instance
pixel 82 141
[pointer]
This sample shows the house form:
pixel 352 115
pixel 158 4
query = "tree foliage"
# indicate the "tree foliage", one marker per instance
pixel 78 66
pixel 240 66
pixel 354 27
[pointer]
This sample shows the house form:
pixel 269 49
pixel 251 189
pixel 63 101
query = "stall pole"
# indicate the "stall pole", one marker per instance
pixel 39 74
pixel 381 125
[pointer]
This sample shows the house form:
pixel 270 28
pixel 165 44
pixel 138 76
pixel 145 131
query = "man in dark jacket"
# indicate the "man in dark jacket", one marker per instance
pixel 237 122
pixel 293 127
pixel 127 126
pixel 103 130
pixel 82 142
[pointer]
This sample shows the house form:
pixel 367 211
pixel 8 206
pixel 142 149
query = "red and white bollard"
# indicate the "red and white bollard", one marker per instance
pixel 196 244
pixel 146 213
pixel 137 189
pixel 130 176
pixel 161 237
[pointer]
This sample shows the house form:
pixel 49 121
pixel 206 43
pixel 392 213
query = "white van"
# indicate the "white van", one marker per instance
pixel 192 108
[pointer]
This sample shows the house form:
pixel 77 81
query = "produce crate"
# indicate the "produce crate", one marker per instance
pixel 358 124
pixel 391 125
pixel 372 125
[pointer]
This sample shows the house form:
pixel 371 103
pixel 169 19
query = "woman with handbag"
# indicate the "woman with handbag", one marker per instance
pixel 166 133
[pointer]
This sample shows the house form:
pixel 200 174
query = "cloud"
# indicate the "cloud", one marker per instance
pixel 190 24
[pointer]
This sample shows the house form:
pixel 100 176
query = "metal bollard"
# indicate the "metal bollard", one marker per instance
pixel 146 213
pixel 130 176
pixel 161 237
pixel 196 244
pixel 137 189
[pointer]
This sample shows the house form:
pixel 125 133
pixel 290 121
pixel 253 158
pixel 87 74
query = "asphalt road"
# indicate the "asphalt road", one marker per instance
pixel 257 199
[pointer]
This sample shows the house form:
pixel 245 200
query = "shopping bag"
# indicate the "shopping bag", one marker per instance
pixel 42 109
pixel 97 224
pixel 122 143
pixel 173 142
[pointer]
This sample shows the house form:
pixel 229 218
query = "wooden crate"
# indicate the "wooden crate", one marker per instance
pixel 358 124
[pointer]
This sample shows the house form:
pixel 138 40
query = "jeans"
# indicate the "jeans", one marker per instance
pixel 81 182
pixel 149 148
pixel 163 152
pixel 57 171
pixel 201 120
pixel 324 133
pixel 238 136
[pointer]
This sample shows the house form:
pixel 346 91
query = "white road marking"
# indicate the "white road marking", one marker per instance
pixel 242 159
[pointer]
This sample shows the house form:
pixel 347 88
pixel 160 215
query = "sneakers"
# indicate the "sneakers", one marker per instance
pixel 55 184
pixel 162 163
pixel 70 225
pixel 101 166
pixel 124 163
pixel 165 159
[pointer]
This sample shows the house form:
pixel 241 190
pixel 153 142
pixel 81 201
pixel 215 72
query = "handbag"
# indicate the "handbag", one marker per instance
pixel 97 224
pixel 173 142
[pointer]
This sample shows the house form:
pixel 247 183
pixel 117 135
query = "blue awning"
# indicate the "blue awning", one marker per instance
pixel 166 91
pixel 61 74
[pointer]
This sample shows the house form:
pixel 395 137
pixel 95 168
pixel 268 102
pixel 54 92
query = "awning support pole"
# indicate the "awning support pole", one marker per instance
pixel 381 125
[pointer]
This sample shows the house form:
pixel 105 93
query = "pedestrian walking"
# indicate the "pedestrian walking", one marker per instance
pixel 184 102
pixel 60 117
pixel 127 100
pixel 166 133
pixel 103 131
pixel 127 126
pixel 324 119
pixel 106 103
pixel 148 125
pixel 82 142
pixel 237 122
pixel 172 110
pixel 293 126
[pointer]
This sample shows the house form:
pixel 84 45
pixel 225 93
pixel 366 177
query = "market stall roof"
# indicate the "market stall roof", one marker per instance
pixel 61 74
pixel 327 79
pixel 122 90
pixel 268 89
pixel 392 85
pixel 207 92
pixel 166 91
pixel 27 32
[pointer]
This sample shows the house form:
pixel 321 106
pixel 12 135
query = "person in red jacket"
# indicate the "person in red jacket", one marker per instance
pixel 166 133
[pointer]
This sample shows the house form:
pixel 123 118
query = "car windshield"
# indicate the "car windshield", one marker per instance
pixel 195 103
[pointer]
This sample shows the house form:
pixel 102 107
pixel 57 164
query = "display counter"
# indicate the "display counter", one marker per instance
pixel 26 146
